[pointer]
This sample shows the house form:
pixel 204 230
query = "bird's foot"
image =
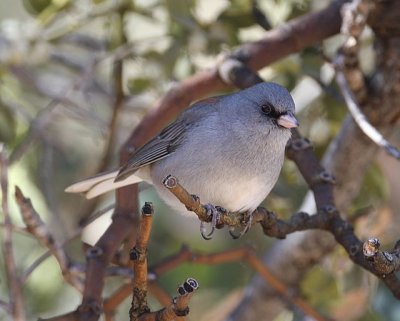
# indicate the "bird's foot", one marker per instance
pixel 247 222
pixel 215 213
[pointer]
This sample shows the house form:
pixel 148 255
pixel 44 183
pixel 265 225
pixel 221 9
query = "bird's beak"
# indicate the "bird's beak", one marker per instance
pixel 288 121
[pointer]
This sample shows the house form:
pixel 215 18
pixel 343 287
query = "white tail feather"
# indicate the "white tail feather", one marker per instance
pixel 100 184
pixel 109 185
pixel 87 184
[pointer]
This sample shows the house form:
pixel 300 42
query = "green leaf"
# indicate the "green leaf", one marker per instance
pixel 139 85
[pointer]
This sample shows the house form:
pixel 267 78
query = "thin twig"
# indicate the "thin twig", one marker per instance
pixel 178 307
pixel 15 228
pixel 235 255
pixel 349 77
pixel 25 275
pixel 16 301
pixel 65 26
pixel 259 16
pixel 139 256
pixel 37 227
pixel 116 298
pixel 47 113
pixel 119 97
pixel 5 306
pixel 361 119
pixel 281 288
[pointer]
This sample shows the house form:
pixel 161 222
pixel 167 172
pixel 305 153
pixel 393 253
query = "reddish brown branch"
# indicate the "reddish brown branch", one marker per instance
pixel 281 288
pixel 236 255
pixel 179 306
pixel 139 308
pixel 97 260
pixel 111 303
pixel 187 255
pixel 276 44
pixel 320 182
pixel 296 35
pixel 159 293
pixel 139 256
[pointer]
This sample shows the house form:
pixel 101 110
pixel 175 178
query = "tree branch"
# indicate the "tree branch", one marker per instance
pixel 348 75
pixel 15 305
pixel 38 229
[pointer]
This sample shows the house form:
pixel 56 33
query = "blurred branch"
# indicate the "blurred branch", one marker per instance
pixel 236 255
pixel 37 228
pixel 46 114
pixel 119 95
pixel 15 305
pixel 74 268
pixel 348 156
pixel 289 38
pixel 37 126
pixel 321 183
pixel 277 43
pixel 349 77
pixel 354 19
pixel 5 306
pixel 123 49
pixel 117 297
pixel 259 16
pixel 85 41
pixel 187 255
pixel 360 118
pixel 64 27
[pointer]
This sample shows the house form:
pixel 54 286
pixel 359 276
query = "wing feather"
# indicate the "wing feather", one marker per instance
pixel 169 139
pixel 157 148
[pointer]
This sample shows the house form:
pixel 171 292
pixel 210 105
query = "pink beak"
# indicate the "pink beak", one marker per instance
pixel 288 121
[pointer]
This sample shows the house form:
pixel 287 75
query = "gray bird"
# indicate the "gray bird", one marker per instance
pixel 228 150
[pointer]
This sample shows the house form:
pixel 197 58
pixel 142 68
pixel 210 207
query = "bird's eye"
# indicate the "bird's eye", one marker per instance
pixel 267 109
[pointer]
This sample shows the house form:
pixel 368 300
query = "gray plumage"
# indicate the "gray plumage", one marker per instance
pixel 227 150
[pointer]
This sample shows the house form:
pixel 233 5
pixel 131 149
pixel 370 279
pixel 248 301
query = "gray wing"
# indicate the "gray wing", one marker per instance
pixel 169 138
pixel 157 148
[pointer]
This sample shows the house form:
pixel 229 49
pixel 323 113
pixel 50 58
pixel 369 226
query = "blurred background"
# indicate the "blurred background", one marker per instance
pixel 57 98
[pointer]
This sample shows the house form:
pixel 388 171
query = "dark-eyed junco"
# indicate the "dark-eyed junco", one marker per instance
pixel 228 150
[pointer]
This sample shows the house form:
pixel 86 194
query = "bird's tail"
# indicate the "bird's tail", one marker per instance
pixel 100 184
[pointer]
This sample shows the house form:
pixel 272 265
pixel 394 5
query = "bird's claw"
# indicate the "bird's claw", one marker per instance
pixel 248 220
pixel 205 236
pixel 215 213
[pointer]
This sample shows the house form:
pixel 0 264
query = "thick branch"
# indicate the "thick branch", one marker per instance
pixel 276 44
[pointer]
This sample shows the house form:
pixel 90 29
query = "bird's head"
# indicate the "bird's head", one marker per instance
pixel 273 102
